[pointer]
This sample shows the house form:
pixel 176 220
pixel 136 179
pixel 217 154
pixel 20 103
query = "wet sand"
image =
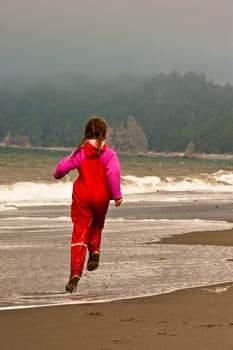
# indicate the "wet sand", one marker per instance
pixel 218 238
pixel 195 319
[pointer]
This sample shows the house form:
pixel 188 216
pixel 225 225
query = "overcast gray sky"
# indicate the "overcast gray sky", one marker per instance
pixel 116 36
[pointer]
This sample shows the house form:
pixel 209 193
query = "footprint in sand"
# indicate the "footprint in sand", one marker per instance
pixel 95 314
pixel 127 319
pixel 121 341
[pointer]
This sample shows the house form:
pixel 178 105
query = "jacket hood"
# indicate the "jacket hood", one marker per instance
pixel 91 150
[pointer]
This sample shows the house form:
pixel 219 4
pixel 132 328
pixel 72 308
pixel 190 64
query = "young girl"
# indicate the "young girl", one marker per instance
pixel 98 182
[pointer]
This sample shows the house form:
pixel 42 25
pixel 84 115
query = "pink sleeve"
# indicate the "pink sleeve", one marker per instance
pixel 66 165
pixel 112 165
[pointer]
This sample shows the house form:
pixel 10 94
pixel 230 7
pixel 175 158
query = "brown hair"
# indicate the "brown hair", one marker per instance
pixel 95 128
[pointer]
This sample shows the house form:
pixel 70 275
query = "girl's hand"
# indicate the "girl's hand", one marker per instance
pixel 118 202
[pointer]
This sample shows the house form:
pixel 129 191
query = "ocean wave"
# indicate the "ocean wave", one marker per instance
pixel 220 181
pixel 133 187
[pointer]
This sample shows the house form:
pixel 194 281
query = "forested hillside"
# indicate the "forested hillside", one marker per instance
pixel 173 110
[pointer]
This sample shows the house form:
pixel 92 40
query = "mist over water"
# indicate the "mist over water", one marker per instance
pixel 109 37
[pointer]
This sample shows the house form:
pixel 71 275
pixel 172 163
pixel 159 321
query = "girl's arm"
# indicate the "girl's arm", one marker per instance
pixel 64 167
pixel 113 174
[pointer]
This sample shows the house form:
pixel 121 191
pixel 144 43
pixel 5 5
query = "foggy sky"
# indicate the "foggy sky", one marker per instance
pixel 116 37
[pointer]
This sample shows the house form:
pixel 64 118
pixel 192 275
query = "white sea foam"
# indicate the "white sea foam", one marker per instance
pixel 220 181
pixel 27 193
pixel 36 219
pixel 223 177
pixel 7 207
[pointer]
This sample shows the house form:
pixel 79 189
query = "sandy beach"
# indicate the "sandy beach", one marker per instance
pixel 195 319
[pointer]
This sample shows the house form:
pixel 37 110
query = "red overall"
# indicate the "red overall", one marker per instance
pixel 90 200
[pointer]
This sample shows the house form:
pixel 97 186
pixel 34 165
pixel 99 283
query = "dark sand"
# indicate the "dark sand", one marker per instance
pixel 191 319
pixel 223 238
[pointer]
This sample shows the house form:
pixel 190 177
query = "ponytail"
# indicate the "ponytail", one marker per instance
pixel 99 144
pixel 78 147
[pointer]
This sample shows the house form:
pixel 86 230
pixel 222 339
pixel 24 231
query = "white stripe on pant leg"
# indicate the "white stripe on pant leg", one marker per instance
pixel 76 244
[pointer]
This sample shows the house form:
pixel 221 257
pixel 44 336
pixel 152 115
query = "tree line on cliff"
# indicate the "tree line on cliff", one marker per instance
pixel 173 110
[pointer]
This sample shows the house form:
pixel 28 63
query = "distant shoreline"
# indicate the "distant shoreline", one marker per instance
pixel 214 156
pixel 55 148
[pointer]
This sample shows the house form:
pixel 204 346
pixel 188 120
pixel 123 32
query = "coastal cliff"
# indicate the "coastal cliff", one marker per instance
pixel 129 138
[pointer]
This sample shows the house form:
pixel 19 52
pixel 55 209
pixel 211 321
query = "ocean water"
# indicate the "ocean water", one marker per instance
pixel 26 178
pixel 162 196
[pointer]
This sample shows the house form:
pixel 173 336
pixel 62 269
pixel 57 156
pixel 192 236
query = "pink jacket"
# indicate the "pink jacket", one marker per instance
pixel 91 179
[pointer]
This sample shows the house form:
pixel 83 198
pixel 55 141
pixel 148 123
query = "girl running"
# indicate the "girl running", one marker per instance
pixel 98 182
